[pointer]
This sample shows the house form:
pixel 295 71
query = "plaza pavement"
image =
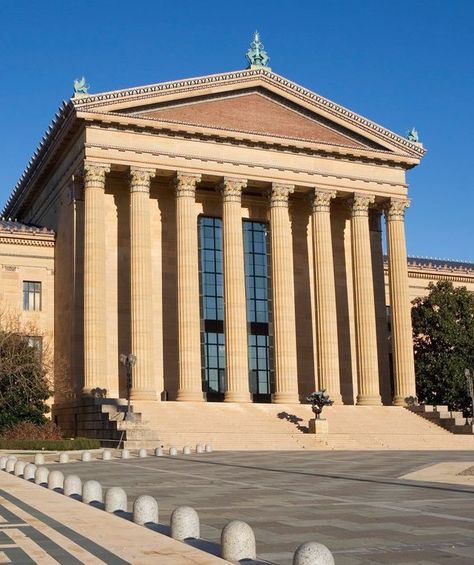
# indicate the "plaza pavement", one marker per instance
pixel 353 502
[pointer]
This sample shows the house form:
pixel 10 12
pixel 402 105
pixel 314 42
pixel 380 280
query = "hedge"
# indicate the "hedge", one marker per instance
pixel 50 444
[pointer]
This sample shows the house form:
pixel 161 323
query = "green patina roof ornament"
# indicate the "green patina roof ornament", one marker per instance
pixel 256 55
pixel 81 89
pixel 413 136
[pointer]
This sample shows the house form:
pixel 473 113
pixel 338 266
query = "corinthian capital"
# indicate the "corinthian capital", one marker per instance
pixel 186 185
pixel 394 209
pixel 94 174
pixel 320 200
pixel 359 204
pixel 231 189
pixel 140 179
pixel 279 194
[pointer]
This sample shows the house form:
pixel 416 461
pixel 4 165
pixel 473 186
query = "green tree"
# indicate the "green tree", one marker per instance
pixel 443 331
pixel 24 382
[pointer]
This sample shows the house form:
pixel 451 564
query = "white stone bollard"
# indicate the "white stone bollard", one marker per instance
pixel 142 452
pixel 19 468
pixel 173 451
pixel 39 459
pixel 29 472
pixel 10 466
pixel 91 492
pixel 106 455
pixel 72 485
pixel 184 523
pixel 312 553
pixel 158 452
pixel 55 480
pixel 238 542
pixel 3 462
pixel 86 456
pixel 145 510
pixel 187 450
pixel 125 454
pixel 208 448
pixel 64 457
pixel 41 475
pixel 199 448
pixel 115 500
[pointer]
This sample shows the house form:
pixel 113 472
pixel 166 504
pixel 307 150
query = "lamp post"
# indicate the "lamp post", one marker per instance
pixel 129 362
pixel 470 390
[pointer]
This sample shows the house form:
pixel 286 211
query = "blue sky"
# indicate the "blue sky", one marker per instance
pixel 398 63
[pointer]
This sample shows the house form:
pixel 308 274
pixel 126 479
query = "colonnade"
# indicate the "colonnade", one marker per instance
pixel 235 324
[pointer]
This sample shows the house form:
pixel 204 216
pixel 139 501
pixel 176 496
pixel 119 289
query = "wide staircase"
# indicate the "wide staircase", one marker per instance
pixel 229 426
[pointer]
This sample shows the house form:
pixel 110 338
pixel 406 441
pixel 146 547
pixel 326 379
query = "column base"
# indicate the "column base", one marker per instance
pixel 190 396
pixel 285 398
pixel 233 396
pixel 336 398
pixel 401 400
pixel 369 400
pixel 143 395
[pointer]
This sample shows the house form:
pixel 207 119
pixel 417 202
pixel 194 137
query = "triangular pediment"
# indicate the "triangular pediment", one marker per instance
pixel 255 111
pixel 251 103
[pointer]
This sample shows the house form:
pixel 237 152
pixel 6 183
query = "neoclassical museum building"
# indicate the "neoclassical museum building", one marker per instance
pixel 227 231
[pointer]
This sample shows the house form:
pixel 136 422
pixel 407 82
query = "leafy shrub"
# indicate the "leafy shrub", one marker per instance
pixel 50 445
pixel 30 431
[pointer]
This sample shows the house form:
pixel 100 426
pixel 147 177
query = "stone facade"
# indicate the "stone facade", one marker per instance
pixel 123 178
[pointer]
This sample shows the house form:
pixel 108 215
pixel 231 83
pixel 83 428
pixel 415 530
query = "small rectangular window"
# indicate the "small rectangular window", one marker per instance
pixel 31 295
pixel 36 343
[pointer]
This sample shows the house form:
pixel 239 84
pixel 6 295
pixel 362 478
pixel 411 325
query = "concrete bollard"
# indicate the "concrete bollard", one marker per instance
pixel 125 454
pixel 19 468
pixel 145 510
pixel 86 456
pixel 72 485
pixel 10 466
pixel 158 452
pixel 142 452
pixel 39 459
pixel 64 457
pixel 55 480
pixel 115 500
pixel 91 492
pixel 199 448
pixel 106 455
pixel 238 542
pixel 208 448
pixel 187 450
pixel 3 462
pixel 173 451
pixel 312 553
pixel 41 475
pixel 184 523
pixel 29 472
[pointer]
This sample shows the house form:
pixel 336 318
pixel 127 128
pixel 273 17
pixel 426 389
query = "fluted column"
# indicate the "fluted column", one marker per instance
pixel 143 377
pixel 286 372
pixel 95 364
pixel 402 340
pixel 364 302
pixel 325 296
pixel 189 332
pixel 235 305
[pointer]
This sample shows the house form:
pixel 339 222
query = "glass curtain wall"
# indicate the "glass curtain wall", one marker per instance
pixel 257 279
pixel 212 307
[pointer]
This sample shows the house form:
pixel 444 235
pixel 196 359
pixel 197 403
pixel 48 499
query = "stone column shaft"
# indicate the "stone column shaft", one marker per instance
pixel 143 377
pixel 364 303
pixel 402 340
pixel 189 331
pixel 286 372
pixel 325 296
pixel 95 328
pixel 235 304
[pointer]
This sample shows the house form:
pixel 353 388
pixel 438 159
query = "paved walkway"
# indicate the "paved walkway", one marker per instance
pixel 40 526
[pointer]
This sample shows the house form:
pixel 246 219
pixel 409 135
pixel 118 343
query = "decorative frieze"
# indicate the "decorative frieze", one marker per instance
pixel 321 200
pixel 359 204
pixel 140 179
pixel 280 194
pixel 394 209
pixel 185 185
pixel 231 189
